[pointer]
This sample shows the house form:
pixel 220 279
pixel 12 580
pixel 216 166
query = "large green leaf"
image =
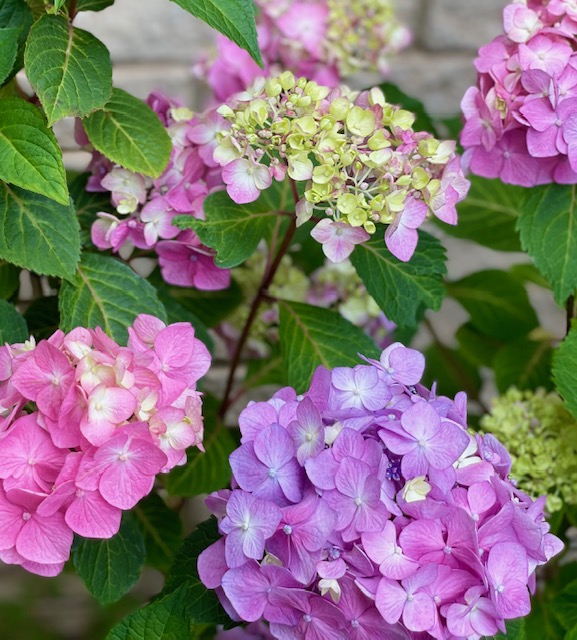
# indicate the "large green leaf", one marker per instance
pixel 69 68
pixel 8 50
pixel 161 528
pixel 488 215
pixel 515 630
pixel 525 364
pixel 402 289
pixel 15 14
pixel 565 606
pixel 450 370
pixel 311 336
pixel 110 567
pixel 38 233
pixel 209 471
pixel 233 18
pixel 127 131
pixel 548 229
pixel 564 368
pixel 234 230
pixel 475 346
pixel 12 325
pixel 497 303
pixel 106 293
pixel 29 154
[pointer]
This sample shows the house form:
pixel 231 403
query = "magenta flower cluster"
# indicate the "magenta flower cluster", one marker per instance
pixel 145 208
pixel 85 426
pixel 521 118
pixel 365 509
pixel 322 40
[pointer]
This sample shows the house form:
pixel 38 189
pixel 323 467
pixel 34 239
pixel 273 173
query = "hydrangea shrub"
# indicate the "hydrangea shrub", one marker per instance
pixel 254 249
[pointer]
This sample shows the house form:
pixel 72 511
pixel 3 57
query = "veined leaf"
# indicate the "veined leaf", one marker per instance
pixel 127 131
pixel 402 289
pixel 12 325
pixel 564 368
pixel 548 228
pixel 311 336
pixel 15 14
pixel 233 18
pixel 69 68
pixel 106 293
pixel 525 364
pixel 8 50
pixel 29 154
pixel 37 233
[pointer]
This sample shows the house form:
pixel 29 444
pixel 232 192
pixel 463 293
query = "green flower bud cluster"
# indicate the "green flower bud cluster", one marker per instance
pixel 359 154
pixel 363 34
pixel 541 436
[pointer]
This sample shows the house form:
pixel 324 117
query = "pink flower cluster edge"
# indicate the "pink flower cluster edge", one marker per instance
pixel 85 426
pixel 521 118
pixel 365 509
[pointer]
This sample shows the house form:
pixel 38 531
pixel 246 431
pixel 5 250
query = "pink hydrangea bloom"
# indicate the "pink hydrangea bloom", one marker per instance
pixel 88 425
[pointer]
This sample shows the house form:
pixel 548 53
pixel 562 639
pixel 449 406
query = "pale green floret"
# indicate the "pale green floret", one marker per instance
pixel 541 436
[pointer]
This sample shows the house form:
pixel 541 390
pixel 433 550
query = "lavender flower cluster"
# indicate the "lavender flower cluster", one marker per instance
pixel 147 207
pixel 365 509
pixel 521 118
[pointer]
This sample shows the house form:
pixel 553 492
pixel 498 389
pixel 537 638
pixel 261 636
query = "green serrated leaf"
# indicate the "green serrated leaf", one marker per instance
pixel 110 567
pixel 15 14
pixel 107 293
pixel 548 230
pixel 43 317
pixel 525 364
pixel 12 325
pixel 93 5
pixel 9 279
pixel 488 215
pixel 8 50
pixel 564 368
pixel 233 18
pixel 163 619
pixel 209 471
pixel 515 630
pixel 394 95
pixel 233 230
pixel 161 528
pixel 497 303
pixel 565 606
pixel 37 233
pixel 310 336
pixel 127 131
pixel 29 153
pixel 69 68
pixel 402 289
pixel 202 605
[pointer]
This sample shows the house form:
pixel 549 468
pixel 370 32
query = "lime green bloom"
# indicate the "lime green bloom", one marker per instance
pixel 541 436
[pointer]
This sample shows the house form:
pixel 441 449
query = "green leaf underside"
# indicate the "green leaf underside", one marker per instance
pixel 548 230
pixel 29 154
pixel 110 567
pixel 127 131
pixel 37 233
pixel 402 289
pixel 210 471
pixel 233 18
pixel 161 528
pixel 69 68
pixel 564 368
pixel 12 325
pixel 488 215
pixel 311 336
pixel 106 293
pixel 497 303
pixel 525 364
pixel 233 230
pixel 9 279
pixel 93 5
pixel 8 50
